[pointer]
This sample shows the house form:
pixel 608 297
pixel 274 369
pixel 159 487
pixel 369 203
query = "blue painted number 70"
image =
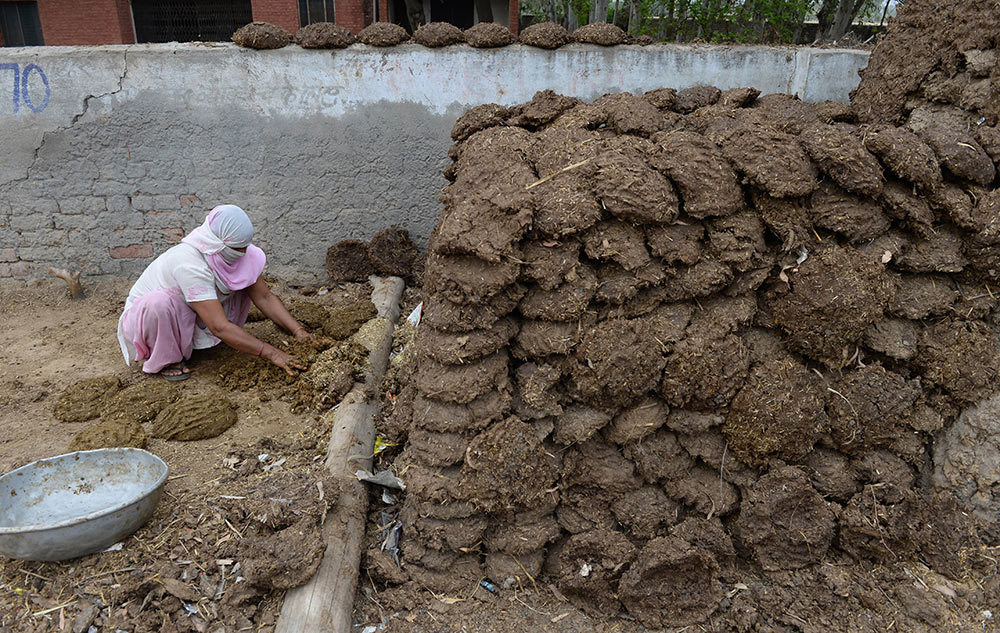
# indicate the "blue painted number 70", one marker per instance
pixel 21 92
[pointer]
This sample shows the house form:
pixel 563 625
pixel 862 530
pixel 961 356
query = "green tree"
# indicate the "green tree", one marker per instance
pixel 836 17
pixel 745 21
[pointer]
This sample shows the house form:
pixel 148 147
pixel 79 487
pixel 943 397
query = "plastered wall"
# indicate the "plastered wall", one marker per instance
pixel 108 155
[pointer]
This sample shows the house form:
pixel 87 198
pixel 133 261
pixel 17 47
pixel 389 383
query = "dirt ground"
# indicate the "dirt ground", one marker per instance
pixel 219 550
pixel 178 572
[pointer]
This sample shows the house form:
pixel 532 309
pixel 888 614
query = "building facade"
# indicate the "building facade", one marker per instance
pixel 95 22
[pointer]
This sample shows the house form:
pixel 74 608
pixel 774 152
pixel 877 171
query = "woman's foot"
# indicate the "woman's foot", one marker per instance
pixel 176 372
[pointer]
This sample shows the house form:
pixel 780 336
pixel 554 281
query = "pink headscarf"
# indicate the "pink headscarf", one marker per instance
pixel 227 228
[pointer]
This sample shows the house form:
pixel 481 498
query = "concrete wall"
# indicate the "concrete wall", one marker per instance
pixel 108 155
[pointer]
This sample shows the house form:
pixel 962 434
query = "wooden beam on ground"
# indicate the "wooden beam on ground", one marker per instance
pixel 325 604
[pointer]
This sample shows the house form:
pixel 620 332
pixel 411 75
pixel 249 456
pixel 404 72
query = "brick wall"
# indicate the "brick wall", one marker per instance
pixel 350 14
pixel 284 13
pixel 513 9
pixel 110 234
pixel 103 193
pixel 383 11
pixel 86 22
pixel 125 22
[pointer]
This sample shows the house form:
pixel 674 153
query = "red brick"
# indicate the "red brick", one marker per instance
pixel 284 13
pixel 86 22
pixel 514 8
pixel 133 251
pixel 350 14
pixel 189 200
pixel 20 269
pixel 173 235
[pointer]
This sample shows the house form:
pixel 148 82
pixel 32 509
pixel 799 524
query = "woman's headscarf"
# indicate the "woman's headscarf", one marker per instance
pixel 226 229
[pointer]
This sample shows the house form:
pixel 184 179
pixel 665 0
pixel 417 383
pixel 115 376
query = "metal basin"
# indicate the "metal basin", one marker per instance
pixel 77 504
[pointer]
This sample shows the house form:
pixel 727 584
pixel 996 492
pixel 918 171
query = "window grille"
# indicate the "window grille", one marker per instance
pixel 311 11
pixel 20 25
pixel 189 20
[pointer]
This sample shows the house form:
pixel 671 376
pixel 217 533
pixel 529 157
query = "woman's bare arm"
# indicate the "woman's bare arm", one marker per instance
pixel 214 317
pixel 274 309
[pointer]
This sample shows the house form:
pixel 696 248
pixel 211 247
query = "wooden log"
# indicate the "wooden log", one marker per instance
pixel 72 279
pixel 326 602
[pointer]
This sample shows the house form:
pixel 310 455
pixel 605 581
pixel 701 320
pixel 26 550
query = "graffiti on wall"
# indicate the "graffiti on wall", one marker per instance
pixel 29 89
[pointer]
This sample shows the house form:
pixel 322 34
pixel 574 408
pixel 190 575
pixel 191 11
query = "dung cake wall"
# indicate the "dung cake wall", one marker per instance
pixel 936 65
pixel 671 335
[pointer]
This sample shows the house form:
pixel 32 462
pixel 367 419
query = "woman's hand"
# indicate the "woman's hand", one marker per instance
pixel 302 335
pixel 284 360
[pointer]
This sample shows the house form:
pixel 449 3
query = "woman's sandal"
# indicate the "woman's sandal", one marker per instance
pixel 175 377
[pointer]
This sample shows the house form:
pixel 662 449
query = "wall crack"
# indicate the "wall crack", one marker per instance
pixel 76 118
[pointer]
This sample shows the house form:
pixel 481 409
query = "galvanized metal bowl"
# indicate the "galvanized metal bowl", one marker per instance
pixel 79 503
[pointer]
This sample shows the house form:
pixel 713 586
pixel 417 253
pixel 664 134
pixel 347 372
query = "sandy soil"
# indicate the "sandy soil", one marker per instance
pixel 48 342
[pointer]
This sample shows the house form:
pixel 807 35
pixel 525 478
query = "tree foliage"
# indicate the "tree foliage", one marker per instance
pixel 766 21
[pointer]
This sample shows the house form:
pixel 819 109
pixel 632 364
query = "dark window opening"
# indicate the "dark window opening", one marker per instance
pixel 20 25
pixel 461 14
pixel 368 8
pixel 311 11
pixel 397 14
pixel 189 20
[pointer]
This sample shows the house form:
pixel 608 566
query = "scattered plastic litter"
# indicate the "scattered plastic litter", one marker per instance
pixel 382 478
pixel 381 445
pixel 388 498
pixel 117 547
pixel 391 533
pixel 414 317
pixel 275 466
pixel 488 586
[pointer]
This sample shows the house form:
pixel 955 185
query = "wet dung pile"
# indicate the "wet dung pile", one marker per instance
pixel 83 400
pixel 332 366
pixel 124 413
pixel 437 34
pixel 324 35
pixel 600 33
pixel 336 322
pixel 489 35
pixel 390 252
pixel 672 335
pixel 347 260
pixel 548 35
pixel 195 417
pixel 383 34
pixel 113 433
pixel 937 63
pixel 262 35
